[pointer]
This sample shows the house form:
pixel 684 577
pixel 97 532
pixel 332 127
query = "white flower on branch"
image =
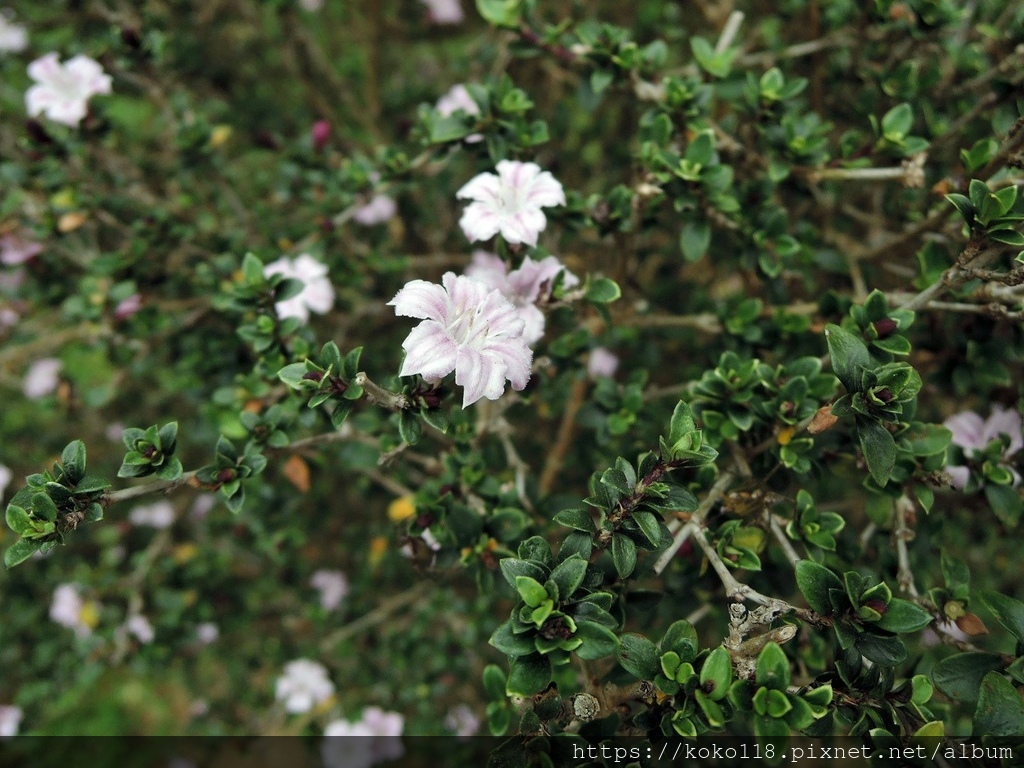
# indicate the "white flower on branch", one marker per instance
pixel 509 203
pixel 303 685
pixel 62 91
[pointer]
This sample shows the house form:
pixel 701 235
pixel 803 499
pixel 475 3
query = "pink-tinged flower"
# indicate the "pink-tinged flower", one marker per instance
pixel 509 202
pixel 467 328
pixel 462 721
pixel 62 91
pixel 303 685
pixel 318 293
pixel 524 287
pixel 207 633
pixel 333 588
pixel 973 434
pixel 139 626
pixel 202 505
pixel 320 134
pixel 10 717
pixel 602 362
pixel 444 11
pixel 159 515
pixel 458 99
pixel 16 250
pixel 8 317
pixel 13 37
pixel 128 306
pixel 380 209
pixel 69 610
pixel 382 728
pixel 41 378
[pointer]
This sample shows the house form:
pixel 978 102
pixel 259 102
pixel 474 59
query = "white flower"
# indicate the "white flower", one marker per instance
pixel 5 479
pixel 207 633
pixel 13 37
pixel 509 202
pixel 333 588
pixel 466 328
pixel 16 250
pixel 303 685
pixel 602 362
pixel 69 610
pixel 462 721
pixel 139 626
pixel 456 99
pixel 973 434
pixel 311 5
pixel 384 730
pixel 10 716
pixel 62 91
pixel 41 378
pixel 444 11
pixel 318 293
pixel 524 287
pixel 381 208
pixel 159 515
pixel 202 505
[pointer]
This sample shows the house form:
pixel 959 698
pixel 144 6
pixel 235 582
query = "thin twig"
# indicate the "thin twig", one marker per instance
pixel 714 494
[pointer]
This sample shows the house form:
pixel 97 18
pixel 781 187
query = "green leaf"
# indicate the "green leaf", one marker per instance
pixel 623 554
pixel 91 484
pixel 43 507
pixel 638 656
pixel 577 519
pixel 18 520
pixel 695 239
pixel 531 590
pixel 568 575
pixel 898 121
pixel 886 651
pixel 772 668
pixel 20 551
pixel 681 638
pixel 512 567
pixel 712 712
pixel 716 674
pixel 600 79
pixel 598 640
pixel 494 683
pixel 169 437
pixel 1008 611
pixel 409 427
pixel 292 374
pixel 814 582
pixel 904 616
pixel 1000 709
pixel 959 676
pixel 648 525
pixel 964 206
pixel 508 642
pixel 73 460
pixel 849 355
pixel 528 675
pixel 602 290
pixel 501 13
pixel 879 449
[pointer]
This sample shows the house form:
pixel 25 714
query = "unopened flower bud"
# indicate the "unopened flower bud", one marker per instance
pixel 878 606
pixel 226 475
pixel 885 327
pixel 321 134
pixel 313 376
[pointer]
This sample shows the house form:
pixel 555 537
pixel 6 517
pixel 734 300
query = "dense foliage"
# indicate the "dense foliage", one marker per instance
pixel 756 297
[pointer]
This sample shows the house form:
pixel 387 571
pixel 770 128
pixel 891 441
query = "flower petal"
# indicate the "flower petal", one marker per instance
pixel 423 300
pixel 968 430
pixel 1003 421
pixel 429 352
pixel 484 186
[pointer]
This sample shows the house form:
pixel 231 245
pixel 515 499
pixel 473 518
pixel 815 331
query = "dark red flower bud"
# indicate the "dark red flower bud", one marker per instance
pixel 885 395
pixel 878 606
pixel 131 37
pixel 313 376
pixel 226 475
pixel 885 327
pixel 321 133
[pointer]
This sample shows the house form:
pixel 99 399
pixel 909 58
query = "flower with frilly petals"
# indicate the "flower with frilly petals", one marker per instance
pixel 303 685
pixel 973 434
pixel 13 37
pixel 333 588
pixel 15 250
pixel 524 287
pixel 444 11
pixel 41 378
pixel 62 91
pixel 467 328
pixel 382 728
pixel 509 202
pixel 457 99
pixel 10 717
pixel 317 294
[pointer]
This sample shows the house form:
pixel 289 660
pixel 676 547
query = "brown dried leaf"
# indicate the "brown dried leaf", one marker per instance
pixel 297 471
pixel 823 419
pixel 971 625
pixel 71 221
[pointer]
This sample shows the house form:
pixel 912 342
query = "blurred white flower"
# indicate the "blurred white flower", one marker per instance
pixel 303 685
pixel 159 515
pixel 207 633
pixel 973 434
pixel 13 37
pixel 462 721
pixel 139 626
pixel 128 307
pixel 8 317
pixel 10 717
pixel 384 730
pixel 509 202
pixel 5 479
pixel 202 505
pixel 524 287
pixel 17 250
pixel 458 98
pixel 333 588
pixel 467 328
pixel 317 294
pixel 381 208
pixel 311 5
pixel 444 11
pixel 62 91
pixel 602 362
pixel 69 610
pixel 41 378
